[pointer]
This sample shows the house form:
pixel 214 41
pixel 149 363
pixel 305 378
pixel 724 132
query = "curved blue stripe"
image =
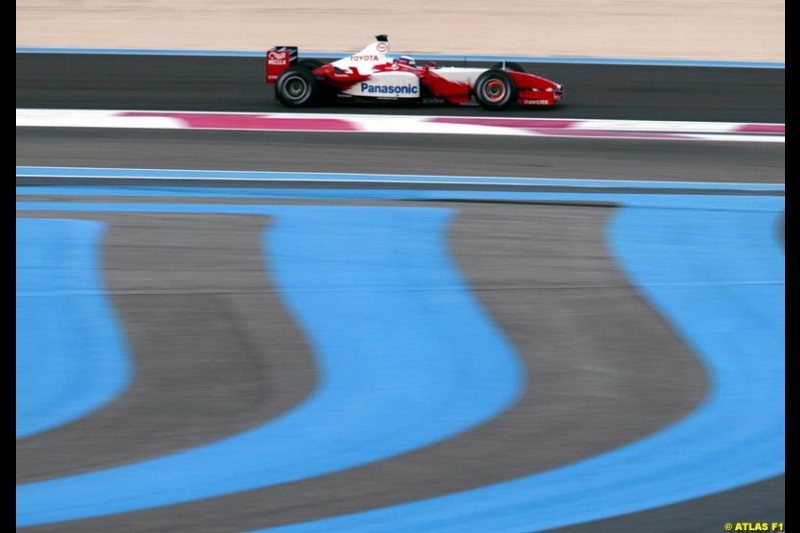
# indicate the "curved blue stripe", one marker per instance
pixel 426 57
pixel 719 278
pixel 71 357
pixel 406 357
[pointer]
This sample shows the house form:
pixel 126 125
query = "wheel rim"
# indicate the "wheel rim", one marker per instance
pixel 494 90
pixel 295 87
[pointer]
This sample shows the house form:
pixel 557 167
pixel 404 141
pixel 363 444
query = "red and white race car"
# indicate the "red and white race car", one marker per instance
pixel 372 74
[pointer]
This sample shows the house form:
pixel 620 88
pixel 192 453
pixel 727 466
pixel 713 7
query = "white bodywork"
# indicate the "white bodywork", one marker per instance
pixel 394 84
pixel 364 61
pixel 389 84
pixel 460 75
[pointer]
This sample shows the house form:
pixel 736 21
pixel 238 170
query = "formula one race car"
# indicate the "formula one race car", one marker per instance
pixel 372 74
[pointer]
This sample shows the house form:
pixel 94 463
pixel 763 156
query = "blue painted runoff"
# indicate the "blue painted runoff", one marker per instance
pixel 71 356
pixel 266 176
pixel 405 353
pixel 425 57
pixel 719 277
pixel 712 265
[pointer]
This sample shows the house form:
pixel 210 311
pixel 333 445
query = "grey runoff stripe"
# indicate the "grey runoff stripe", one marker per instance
pixel 210 340
pixel 764 501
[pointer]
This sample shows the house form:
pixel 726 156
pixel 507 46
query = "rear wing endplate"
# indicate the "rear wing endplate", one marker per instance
pixel 279 58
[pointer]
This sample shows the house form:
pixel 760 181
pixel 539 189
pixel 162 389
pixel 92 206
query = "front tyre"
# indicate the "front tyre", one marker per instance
pixel 297 87
pixel 495 90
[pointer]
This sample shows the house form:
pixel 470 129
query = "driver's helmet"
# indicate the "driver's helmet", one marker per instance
pixel 406 60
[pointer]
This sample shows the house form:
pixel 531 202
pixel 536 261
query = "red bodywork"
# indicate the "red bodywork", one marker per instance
pixel 341 79
pixel 534 90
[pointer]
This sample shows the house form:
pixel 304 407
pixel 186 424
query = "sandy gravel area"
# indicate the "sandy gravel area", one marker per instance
pixel 751 30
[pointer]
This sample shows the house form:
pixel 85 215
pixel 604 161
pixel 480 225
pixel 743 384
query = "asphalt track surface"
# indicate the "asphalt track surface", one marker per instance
pixel 599 379
pixel 403 153
pixel 236 84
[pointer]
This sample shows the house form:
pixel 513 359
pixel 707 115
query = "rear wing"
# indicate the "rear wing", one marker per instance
pixel 279 58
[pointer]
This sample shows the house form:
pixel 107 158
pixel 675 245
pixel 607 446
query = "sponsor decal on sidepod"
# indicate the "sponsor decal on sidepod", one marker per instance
pixel 389 89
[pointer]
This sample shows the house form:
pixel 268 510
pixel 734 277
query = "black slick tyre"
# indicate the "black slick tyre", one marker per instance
pixel 495 90
pixel 297 87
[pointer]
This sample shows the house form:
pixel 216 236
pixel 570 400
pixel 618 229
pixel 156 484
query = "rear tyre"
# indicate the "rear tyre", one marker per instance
pixel 509 66
pixel 297 87
pixel 495 90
